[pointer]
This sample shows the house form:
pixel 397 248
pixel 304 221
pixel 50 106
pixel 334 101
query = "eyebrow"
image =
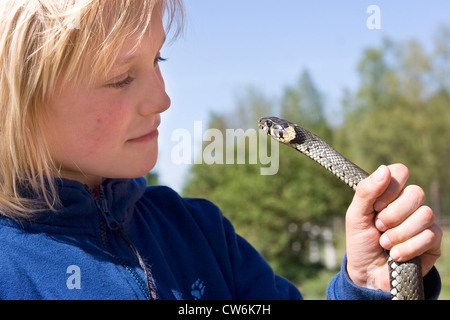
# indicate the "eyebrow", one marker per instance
pixel 128 58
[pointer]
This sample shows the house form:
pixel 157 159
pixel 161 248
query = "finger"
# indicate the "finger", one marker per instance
pixel 409 200
pixel 417 222
pixel 399 176
pixel 430 257
pixel 426 241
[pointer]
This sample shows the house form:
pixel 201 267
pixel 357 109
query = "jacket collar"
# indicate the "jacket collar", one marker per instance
pixel 79 212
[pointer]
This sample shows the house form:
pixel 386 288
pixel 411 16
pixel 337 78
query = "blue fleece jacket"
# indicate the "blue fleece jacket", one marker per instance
pixel 92 249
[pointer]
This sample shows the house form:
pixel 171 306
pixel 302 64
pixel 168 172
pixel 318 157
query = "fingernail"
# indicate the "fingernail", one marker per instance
pixel 395 255
pixel 386 243
pixel 378 175
pixel 379 205
pixel 380 225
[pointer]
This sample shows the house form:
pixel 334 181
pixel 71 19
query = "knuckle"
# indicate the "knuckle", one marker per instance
pixel 438 232
pixel 435 247
pixel 427 215
pixel 416 192
pixel 428 237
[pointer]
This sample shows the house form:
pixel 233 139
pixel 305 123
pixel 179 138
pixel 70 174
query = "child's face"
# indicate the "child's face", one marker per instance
pixel 109 129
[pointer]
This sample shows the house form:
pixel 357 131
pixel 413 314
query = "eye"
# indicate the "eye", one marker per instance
pixel 122 83
pixel 159 59
pixel 269 123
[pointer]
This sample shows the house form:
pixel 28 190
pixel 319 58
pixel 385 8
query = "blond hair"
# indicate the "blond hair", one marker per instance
pixel 42 42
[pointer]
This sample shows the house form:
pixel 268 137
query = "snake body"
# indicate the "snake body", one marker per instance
pixel 405 277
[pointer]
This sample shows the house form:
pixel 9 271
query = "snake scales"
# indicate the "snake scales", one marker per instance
pixel 405 277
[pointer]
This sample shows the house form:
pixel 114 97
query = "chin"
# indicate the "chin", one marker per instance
pixel 133 164
pixel 131 174
pixel 142 169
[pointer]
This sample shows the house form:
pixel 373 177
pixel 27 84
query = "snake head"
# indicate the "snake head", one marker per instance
pixel 278 129
pixel 265 124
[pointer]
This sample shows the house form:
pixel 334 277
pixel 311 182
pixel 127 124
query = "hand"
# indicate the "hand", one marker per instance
pixel 385 215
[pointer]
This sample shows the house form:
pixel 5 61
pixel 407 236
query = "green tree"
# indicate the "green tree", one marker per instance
pixel 152 178
pixel 400 113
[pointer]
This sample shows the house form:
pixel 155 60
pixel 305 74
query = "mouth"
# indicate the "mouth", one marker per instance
pixel 146 137
pixel 150 135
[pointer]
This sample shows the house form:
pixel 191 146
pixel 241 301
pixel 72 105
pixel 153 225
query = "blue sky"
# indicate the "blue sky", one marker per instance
pixel 230 45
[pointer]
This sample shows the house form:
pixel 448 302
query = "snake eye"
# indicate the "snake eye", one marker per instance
pixel 268 123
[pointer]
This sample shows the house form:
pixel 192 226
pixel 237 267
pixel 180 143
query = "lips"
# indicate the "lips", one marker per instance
pixel 150 135
pixel 146 137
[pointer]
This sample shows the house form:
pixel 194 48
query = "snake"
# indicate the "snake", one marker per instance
pixel 406 282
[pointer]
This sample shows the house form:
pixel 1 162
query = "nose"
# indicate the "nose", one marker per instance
pixel 156 98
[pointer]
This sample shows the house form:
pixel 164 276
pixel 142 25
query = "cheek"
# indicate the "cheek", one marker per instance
pixel 85 131
pixel 106 131
pixel 90 130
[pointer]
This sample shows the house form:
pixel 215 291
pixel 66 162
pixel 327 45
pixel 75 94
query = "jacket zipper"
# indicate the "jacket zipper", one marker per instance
pixel 112 224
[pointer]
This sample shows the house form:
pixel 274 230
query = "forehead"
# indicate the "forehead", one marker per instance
pixel 133 46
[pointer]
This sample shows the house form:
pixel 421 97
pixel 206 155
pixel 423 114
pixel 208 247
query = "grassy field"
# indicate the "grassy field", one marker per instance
pixel 314 288
pixel 443 265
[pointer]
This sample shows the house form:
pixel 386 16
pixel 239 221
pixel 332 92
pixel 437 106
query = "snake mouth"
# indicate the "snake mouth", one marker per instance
pixel 264 124
pixel 274 127
pixel 270 127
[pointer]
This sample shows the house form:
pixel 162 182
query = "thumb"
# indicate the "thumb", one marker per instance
pixel 367 193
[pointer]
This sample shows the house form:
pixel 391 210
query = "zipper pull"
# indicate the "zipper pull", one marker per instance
pixel 102 205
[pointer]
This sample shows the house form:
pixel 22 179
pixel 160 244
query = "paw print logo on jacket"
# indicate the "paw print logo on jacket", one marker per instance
pixel 198 289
